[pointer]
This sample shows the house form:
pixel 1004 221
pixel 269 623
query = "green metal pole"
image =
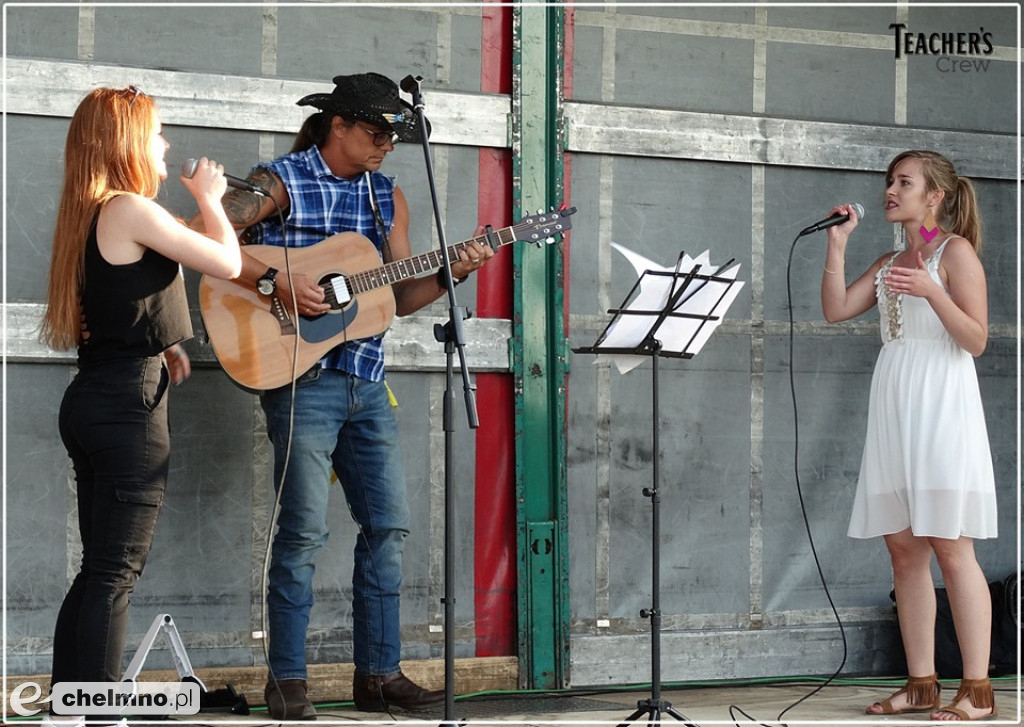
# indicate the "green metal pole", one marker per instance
pixel 539 351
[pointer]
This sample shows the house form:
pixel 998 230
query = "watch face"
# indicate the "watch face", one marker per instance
pixel 265 286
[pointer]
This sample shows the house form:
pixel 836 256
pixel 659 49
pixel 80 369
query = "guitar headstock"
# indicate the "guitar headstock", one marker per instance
pixel 542 227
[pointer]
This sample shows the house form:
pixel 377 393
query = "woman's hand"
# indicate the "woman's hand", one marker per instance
pixel 914 281
pixel 178 364
pixel 207 182
pixel 839 233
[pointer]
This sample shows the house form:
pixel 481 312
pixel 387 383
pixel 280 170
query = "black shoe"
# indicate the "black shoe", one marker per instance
pixel 378 693
pixel 286 700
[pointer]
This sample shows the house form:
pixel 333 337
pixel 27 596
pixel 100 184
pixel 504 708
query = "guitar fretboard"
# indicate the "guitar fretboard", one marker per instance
pixel 398 270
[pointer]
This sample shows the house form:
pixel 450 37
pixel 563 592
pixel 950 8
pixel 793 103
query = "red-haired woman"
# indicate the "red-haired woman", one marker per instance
pixel 117 295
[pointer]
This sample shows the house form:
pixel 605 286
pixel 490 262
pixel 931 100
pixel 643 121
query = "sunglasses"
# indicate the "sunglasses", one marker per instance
pixel 135 92
pixel 380 138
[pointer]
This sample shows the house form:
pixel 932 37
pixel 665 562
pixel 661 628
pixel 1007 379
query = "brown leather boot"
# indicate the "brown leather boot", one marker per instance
pixel 378 693
pixel 286 700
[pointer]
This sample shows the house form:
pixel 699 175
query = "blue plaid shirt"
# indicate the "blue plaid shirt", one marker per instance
pixel 321 205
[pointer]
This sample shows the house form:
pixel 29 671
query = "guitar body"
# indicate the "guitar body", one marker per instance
pixel 260 343
pixel 263 346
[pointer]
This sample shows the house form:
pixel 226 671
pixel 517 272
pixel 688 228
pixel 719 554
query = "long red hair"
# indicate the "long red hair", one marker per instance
pixel 106 154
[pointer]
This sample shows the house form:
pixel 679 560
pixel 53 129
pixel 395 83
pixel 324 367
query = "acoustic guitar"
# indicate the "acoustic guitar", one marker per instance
pixel 262 345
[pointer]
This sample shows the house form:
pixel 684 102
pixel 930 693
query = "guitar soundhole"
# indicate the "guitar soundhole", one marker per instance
pixel 336 293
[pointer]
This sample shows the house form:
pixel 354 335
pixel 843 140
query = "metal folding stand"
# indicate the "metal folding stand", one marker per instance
pixel 680 288
pixel 221 700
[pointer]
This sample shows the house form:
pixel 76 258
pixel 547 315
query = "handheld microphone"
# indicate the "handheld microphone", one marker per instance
pixel 188 170
pixel 836 219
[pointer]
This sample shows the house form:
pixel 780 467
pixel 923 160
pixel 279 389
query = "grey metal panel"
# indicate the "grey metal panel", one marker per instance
pixel 200 566
pixel 180 37
pixel 30 30
pixel 392 42
pixel 217 516
pixel 47 88
pixel 40 553
pixel 832 378
pixel 33 186
pixel 830 109
pixel 410 344
pixel 660 12
pixel 692 655
pixel 771 165
pixel 818 83
pixel 636 131
pixel 692 72
pixel 939 84
pixel 704 426
pixel 866 19
pixel 663 207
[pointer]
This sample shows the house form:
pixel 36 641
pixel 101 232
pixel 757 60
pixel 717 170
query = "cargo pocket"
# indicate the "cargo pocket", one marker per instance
pixel 155 380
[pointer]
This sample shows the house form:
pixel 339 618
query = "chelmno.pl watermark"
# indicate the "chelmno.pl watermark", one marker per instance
pixel 107 698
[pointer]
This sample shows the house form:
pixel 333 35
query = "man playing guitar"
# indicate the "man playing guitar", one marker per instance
pixel 330 183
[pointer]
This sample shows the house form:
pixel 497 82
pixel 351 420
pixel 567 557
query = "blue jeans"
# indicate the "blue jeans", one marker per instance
pixel 347 423
pixel 113 421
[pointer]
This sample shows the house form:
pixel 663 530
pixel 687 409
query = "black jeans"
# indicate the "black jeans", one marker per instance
pixel 113 421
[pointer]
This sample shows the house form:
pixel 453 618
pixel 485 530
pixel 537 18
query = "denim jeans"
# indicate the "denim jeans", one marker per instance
pixel 113 421
pixel 347 423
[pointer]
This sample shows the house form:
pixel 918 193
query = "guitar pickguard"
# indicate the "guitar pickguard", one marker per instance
pixel 327 325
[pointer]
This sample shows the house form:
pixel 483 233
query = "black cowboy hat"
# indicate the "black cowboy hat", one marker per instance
pixel 372 98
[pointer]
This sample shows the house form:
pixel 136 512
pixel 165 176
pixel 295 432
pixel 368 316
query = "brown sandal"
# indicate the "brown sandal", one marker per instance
pixel 918 690
pixel 979 693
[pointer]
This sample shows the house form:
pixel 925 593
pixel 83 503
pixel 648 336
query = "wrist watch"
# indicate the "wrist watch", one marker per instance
pixel 266 285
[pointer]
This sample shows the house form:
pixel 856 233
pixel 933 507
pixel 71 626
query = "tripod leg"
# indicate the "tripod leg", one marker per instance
pixel 641 709
pixel 669 710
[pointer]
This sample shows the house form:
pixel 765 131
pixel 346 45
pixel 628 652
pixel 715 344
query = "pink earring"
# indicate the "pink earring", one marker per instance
pixel 930 228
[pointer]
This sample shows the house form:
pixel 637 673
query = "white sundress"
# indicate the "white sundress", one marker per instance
pixel 927 463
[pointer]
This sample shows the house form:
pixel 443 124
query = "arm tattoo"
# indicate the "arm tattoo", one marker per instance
pixel 243 208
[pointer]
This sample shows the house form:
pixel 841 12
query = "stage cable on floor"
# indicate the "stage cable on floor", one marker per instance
pixel 734 710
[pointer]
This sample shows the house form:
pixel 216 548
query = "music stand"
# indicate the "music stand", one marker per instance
pixel 692 307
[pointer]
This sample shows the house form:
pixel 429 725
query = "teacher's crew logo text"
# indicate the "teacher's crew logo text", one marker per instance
pixel 957 52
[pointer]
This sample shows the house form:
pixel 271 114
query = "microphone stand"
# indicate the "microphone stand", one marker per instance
pixel 453 337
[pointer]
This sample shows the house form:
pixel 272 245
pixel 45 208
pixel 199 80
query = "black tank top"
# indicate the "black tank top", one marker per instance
pixel 133 310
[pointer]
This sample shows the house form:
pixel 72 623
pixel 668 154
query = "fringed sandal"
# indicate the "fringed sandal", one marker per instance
pixel 923 695
pixel 979 693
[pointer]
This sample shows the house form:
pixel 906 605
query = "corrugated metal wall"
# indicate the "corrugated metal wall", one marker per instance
pixel 732 128
pixel 688 128
pixel 226 80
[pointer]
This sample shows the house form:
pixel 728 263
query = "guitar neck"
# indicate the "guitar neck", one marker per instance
pixel 399 270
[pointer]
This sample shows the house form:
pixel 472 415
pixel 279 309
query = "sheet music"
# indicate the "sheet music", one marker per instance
pixel 678 335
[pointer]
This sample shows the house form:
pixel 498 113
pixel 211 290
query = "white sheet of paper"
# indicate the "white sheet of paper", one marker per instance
pixel 676 334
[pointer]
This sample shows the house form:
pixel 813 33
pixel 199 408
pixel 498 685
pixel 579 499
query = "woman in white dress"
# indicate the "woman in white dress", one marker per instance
pixel 926 482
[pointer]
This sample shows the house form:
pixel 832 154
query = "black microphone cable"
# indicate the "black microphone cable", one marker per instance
pixel 188 170
pixel 385 245
pixel 276 509
pixel 733 710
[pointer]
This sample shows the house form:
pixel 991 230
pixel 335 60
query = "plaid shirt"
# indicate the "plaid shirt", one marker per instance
pixel 321 205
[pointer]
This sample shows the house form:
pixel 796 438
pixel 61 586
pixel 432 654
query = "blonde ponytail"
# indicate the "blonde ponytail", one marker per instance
pixel 961 209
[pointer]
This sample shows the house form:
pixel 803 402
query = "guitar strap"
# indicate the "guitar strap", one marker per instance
pixel 382 229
